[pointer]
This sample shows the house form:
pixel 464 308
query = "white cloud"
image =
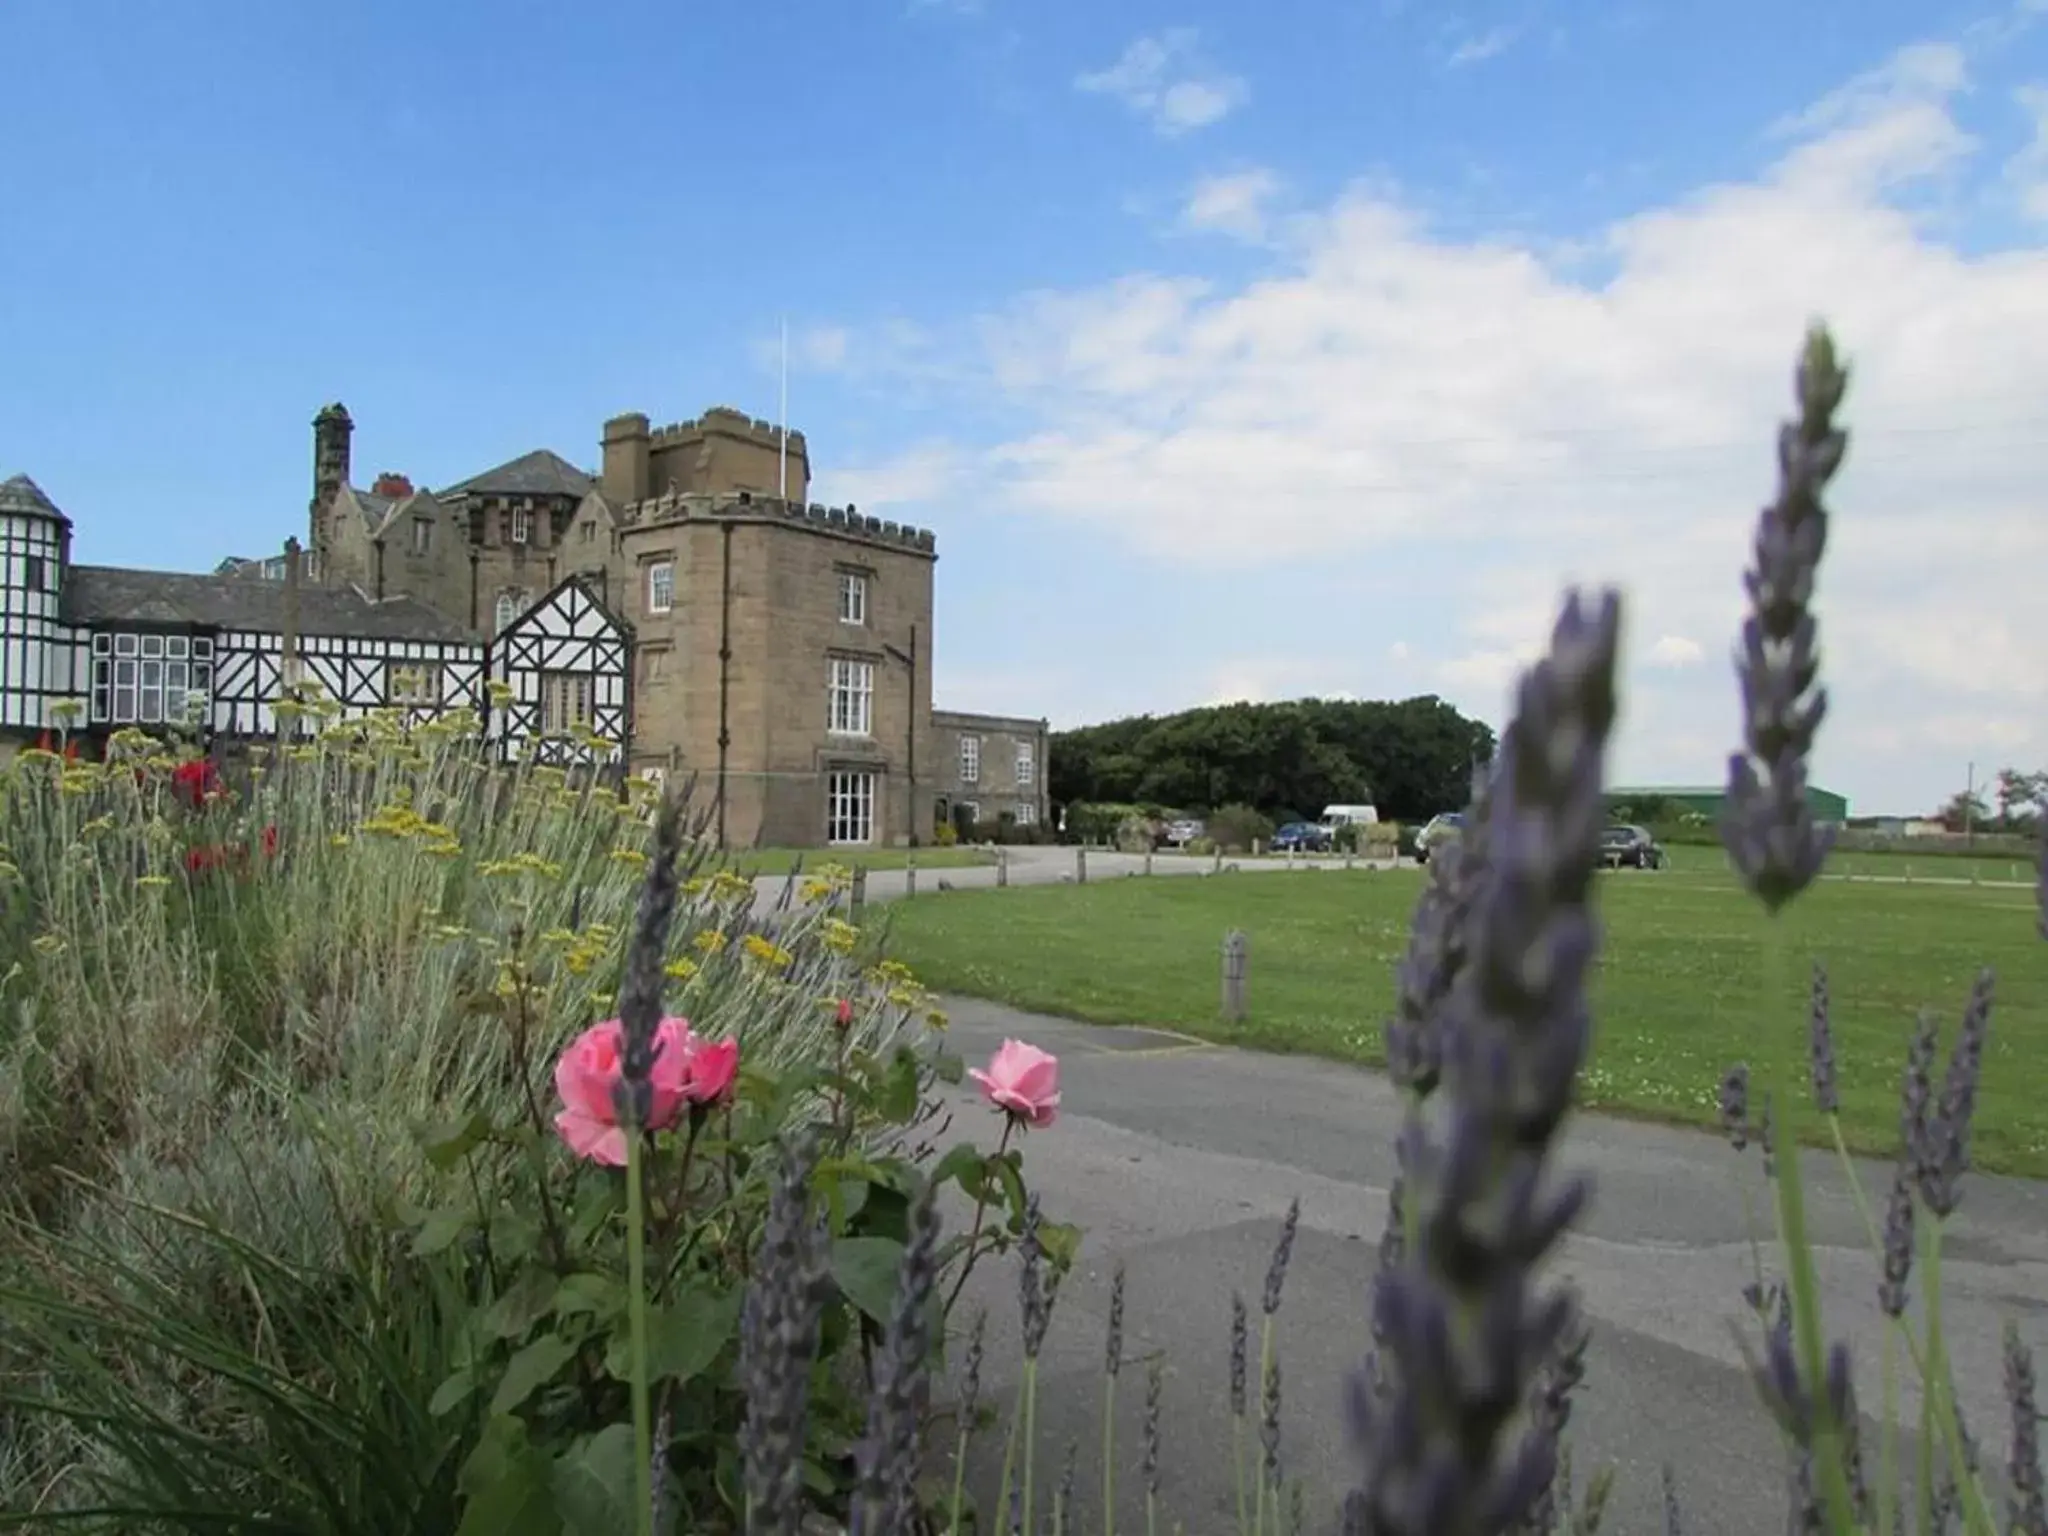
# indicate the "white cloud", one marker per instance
pixel 1675 651
pixel 1501 424
pixel 1160 79
pixel 1232 204
pixel 2028 170
pixel 918 477
pixel 1481 47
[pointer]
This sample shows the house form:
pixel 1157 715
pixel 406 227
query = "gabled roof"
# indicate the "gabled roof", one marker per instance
pixel 540 473
pixel 22 497
pixel 102 594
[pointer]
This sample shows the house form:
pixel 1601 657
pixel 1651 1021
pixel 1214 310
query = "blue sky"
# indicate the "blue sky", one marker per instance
pixel 1230 353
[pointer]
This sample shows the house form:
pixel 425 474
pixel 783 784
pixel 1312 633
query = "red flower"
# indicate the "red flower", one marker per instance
pixel 196 782
pixel 199 860
pixel 270 842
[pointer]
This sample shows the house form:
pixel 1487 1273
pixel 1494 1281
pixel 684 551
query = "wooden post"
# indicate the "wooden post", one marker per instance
pixel 1148 861
pixel 1216 861
pixel 1002 867
pixel 1257 844
pixel 1348 852
pixel 1290 856
pixel 1080 865
pixel 860 886
pixel 1235 951
pixel 910 874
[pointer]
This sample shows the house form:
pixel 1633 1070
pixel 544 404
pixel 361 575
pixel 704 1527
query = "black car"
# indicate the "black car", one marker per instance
pixel 1630 847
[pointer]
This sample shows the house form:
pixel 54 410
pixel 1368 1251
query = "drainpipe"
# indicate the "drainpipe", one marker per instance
pixel 378 545
pixel 472 587
pixel 724 670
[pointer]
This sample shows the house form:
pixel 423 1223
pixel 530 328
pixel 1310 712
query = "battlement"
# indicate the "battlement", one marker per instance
pixel 843 522
pixel 723 418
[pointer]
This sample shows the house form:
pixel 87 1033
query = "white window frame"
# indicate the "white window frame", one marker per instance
pixel 970 759
pixel 850 697
pixel 1027 765
pixel 850 807
pixel 506 612
pixel 522 525
pixel 1027 813
pixel 661 586
pixel 853 598
pixel 422 535
pixel 140 679
pixel 567 702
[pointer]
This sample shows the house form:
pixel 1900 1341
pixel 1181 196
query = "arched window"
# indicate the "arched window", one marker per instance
pixel 508 610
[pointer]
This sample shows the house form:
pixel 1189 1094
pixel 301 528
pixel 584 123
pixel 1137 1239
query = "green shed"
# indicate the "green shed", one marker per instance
pixel 1706 800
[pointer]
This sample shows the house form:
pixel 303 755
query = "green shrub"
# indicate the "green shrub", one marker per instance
pixel 1236 827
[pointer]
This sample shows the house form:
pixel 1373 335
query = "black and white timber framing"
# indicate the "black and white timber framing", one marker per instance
pixel 91 649
pixel 566 663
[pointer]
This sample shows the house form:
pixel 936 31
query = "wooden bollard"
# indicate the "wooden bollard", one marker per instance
pixel 1348 855
pixel 1216 862
pixel 1080 866
pixel 1235 950
pixel 860 886
pixel 1002 866
pixel 1148 861
pixel 910 874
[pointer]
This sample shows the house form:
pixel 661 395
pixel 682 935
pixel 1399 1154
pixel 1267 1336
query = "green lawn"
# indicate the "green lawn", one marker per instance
pixel 1679 993
pixel 779 861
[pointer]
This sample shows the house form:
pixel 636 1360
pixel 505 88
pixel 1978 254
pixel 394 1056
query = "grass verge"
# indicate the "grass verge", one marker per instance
pixel 780 861
pixel 1674 994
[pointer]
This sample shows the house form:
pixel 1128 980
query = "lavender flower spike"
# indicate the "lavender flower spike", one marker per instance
pixel 886 1498
pixel 778 1345
pixel 1466 1325
pixel 641 986
pixel 1767 826
pixel 2041 873
pixel 2027 1506
pixel 1821 1045
pixel 1945 1147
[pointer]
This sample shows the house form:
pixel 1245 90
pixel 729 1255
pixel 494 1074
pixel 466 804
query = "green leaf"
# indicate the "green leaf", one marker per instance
pixel 507 1485
pixel 530 1370
pixel 1005 1171
pixel 453 1392
pixel 442 1228
pixel 1061 1242
pixel 515 1236
pixel 599 1296
pixel 866 1270
pixel 683 1337
pixel 594 1484
pixel 896 1095
pixel 451 1143
pixel 530 1298
pixel 965 1165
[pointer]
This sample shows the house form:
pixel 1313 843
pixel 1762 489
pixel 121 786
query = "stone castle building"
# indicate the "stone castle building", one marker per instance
pixel 778 652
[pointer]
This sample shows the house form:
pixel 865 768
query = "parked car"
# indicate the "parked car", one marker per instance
pixel 1438 831
pixel 1184 831
pixel 1630 847
pixel 1303 837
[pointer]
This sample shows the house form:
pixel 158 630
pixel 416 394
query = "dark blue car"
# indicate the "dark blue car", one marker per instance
pixel 1303 837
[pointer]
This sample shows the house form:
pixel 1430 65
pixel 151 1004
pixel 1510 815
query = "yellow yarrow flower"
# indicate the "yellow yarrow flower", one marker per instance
pixel 680 970
pixel 840 936
pixel 46 944
pixel 154 882
pixel 768 952
pixel 710 940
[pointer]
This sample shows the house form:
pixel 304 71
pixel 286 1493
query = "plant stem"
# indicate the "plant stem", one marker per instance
pixel 1976 1518
pixel 959 1479
pixel 636 1301
pixel 980 1211
pixel 1030 1433
pixel 1237 1469
pixel 1109 1455
pixel 1827 1446
pixel 1888 1435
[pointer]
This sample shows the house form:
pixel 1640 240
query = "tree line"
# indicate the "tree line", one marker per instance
pixel 1411 759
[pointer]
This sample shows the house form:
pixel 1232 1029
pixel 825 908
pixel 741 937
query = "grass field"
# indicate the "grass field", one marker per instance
pixel 1678 996
pixel 779 861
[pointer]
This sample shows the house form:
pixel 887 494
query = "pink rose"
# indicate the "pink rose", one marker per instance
pixel 687 1070
pixel 1022 1081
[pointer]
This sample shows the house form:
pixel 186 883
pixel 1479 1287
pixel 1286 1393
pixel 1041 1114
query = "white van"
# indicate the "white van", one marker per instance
pixel 1335 816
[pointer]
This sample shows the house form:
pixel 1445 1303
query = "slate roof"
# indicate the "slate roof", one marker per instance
pixel 540 473
pixel 21 496
pixel 100 594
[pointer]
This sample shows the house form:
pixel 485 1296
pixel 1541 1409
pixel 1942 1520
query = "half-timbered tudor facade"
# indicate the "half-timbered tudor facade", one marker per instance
pixel 91 649
pixel 562 667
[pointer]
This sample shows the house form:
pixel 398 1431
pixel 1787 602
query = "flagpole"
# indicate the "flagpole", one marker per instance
pixel 782 451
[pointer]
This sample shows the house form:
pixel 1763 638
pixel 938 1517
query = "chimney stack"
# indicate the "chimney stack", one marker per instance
pixel 392 485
